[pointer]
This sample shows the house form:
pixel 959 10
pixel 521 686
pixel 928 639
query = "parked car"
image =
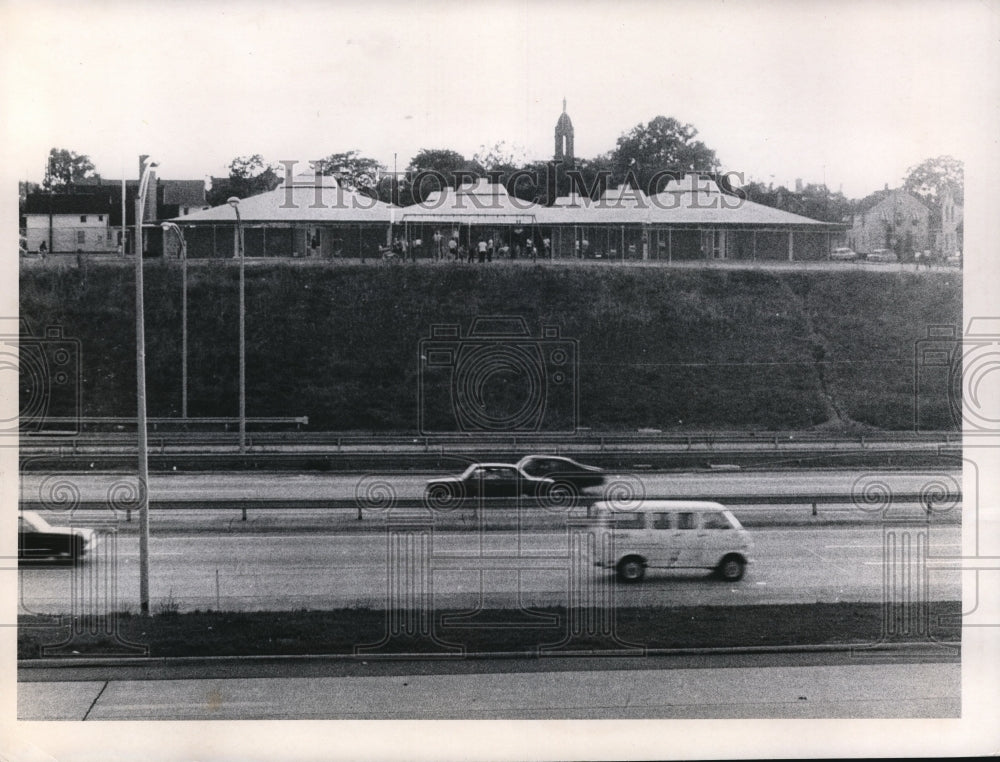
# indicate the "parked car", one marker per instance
pixel 37 540
pixel 843 254
pixel 488 480
pixel 673 534
pixel 562 470
pixel 882 255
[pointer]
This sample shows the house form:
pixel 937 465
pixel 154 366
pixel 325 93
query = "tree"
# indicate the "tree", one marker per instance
pixel 66 167
pixel 664 144
pixel 353 171
pixel 931 177
pixel 449 165
pixel 500 157
pixel 248 176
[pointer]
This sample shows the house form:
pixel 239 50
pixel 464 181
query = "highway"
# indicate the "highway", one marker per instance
pixel 322 570
pixel 55 488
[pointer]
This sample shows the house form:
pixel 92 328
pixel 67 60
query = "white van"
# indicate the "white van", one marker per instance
pixel 673 534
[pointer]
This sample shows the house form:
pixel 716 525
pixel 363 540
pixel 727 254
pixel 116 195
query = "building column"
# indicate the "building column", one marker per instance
pixel 791 245
pixel 670 246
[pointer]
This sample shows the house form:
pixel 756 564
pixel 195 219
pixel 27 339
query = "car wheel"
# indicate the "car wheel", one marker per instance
pixel 731 568
pixel 631 569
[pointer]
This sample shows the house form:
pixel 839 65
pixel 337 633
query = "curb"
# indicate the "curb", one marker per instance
pixel 954 648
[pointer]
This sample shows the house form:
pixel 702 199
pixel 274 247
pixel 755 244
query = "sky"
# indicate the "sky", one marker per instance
pixel 848 93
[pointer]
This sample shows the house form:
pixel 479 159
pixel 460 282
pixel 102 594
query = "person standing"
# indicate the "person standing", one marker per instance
pixel 438 238
pixel 481 246
pixel 547 248
pixel 453 249
pixel 489 250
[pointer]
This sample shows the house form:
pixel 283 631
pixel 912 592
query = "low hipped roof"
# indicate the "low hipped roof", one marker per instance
pixel 308 198
pixel 689 201
pixel 476 203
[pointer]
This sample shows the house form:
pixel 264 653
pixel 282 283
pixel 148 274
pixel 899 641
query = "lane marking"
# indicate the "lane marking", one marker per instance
pixel 827 561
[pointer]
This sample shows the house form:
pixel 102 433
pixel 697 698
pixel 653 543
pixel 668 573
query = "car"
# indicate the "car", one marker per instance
pixel 843 254
pixel 562 470
pixel 673 534
pixel 882 255
pixel 37 540
pixel 954 260
pixel 488 480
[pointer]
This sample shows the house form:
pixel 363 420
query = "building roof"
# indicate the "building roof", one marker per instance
pixel 71 203
pixel 475 203
pixel 689 201
pixel 183 192
pixel 307 198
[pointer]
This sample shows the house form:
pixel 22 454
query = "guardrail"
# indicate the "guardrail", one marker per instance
pixel 191 434
pixel 930 500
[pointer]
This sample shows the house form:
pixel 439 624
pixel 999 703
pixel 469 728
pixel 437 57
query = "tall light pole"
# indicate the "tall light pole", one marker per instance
pixel 234 202
pixel 140 377
pixel 168 226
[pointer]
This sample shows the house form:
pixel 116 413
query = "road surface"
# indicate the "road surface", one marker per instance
pixel 201 487
pixel 291 570
pixel 511 690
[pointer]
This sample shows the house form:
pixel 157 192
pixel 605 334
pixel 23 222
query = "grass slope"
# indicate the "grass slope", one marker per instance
pixel 662 348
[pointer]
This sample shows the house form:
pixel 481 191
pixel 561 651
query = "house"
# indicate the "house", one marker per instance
pixel 87 215
pixel 72 222
pixel 891 219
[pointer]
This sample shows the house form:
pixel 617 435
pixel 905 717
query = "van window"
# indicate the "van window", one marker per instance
pixel 685 520
pixel 661 521
pixel 714 521
pixel 627 520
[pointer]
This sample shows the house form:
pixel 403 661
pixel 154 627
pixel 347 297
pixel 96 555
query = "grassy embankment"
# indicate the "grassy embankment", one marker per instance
pixel 212 633
pixel 668 349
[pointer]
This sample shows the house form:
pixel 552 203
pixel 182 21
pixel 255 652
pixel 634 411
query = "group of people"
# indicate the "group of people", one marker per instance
pixel 484 249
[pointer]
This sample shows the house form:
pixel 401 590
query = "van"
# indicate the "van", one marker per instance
pixel 673 534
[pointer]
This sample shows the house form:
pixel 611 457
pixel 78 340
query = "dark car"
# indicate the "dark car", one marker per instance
pixel 563 471
pixel 37 540
pixel 488 480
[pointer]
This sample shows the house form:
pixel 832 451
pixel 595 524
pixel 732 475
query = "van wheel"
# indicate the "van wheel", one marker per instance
pixel 631 569
pixel 731 568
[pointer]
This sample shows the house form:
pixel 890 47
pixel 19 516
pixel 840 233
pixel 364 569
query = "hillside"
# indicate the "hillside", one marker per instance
pixel 660 348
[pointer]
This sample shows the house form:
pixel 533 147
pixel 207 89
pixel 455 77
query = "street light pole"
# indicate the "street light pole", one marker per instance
pixel 167 226
pixel 234 202
pixel 140 377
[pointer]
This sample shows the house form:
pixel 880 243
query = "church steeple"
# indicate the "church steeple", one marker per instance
pixel 564 138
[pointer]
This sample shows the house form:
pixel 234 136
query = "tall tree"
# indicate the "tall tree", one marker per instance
pixel 353 171
pixel 248 176
pixel 500 157
pixel 66 167
pixel 931 177
pixel 432 168
pixel 663 144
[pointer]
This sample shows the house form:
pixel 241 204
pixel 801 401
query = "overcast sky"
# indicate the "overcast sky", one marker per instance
pixel 850 92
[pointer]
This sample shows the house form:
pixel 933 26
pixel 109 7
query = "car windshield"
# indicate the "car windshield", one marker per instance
pixel 36 522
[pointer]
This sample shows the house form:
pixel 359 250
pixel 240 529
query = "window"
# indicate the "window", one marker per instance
pixel 661 521
pixel 714 521
pixel 109 234
pixel 100 218
pixel 685 520
pixel 627 520
pixel 83 218
pixel 81 236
